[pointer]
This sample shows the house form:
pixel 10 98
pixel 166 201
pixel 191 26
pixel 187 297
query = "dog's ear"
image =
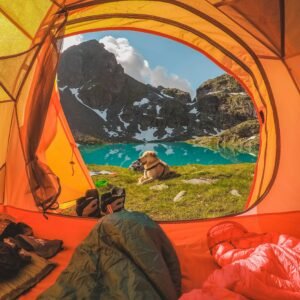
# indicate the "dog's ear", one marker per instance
pixel 152 153
pixel 143 155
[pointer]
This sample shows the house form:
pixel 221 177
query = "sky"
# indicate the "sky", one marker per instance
pixel 154 59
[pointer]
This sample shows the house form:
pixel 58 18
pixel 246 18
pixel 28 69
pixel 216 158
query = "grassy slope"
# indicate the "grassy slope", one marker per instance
pixel 200 201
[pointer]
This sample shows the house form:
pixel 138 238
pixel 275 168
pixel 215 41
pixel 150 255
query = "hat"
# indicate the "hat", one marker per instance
pixel 109 197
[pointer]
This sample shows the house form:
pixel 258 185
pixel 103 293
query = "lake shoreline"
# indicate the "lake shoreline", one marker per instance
pixel 173 153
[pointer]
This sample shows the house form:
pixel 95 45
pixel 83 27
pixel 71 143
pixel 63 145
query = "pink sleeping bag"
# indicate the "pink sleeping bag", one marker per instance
pixel 255 266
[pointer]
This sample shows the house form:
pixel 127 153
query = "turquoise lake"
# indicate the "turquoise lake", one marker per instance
pixel 174 154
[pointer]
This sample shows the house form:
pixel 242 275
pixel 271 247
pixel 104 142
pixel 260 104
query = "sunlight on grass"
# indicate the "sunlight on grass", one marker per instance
pixel 200 201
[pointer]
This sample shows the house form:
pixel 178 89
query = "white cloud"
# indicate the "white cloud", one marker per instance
pixel 71 41
pixel 160 76
pixel 133 63
pixel 139 68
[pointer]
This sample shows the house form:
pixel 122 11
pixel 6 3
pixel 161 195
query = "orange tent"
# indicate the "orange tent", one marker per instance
pixel 255 41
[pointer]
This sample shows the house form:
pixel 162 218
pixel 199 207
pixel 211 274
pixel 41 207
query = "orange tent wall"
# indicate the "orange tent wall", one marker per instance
pixel 68 165
pixel 197 24
pixel 284 194
pixel 251 50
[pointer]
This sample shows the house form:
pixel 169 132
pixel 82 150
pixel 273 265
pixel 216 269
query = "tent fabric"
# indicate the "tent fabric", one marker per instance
pixel 255 41
pixel 188 239
pixel 247 40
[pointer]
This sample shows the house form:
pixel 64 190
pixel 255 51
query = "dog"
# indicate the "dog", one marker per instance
pixel 154 168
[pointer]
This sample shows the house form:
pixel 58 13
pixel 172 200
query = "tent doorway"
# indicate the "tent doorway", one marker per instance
pixel 117 107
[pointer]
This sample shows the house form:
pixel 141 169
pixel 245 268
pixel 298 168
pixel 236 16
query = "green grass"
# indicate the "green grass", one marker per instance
pixel 200 201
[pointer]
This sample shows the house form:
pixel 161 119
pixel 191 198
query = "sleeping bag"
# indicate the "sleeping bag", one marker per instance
pixel 125 256
pixel 256 266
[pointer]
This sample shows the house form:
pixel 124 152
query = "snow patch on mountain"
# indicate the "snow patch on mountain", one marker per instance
pixel 241 93
pixel 120 118
pixel 214 92
pixel 218 131
pixel 169 133
pixel 141 102
pixel 102 114
pixel 193 111
pixel 166 95
pixel 63 88
pixel 146 135
pixel 110 132
pixel 158 108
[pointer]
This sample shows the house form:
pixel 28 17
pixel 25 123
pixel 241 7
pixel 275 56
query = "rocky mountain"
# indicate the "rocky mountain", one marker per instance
pixel 103 103
pixel 242 137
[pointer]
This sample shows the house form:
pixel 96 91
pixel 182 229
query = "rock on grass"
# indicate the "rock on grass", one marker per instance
pixel 179 196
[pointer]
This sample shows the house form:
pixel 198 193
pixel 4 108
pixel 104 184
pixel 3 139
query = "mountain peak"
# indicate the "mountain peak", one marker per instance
pixel 101 101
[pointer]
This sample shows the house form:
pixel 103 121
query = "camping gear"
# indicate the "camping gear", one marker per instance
pixel 88 206
pixel 111 196
pixel 226 230
pixel 28 276
pixel 42 247
pixel 254 266
pixel 136 166
pixel 101 183
pixel 11 261
pixel 121 242
pixel 9 228
pixel 102 172
pixel 255 41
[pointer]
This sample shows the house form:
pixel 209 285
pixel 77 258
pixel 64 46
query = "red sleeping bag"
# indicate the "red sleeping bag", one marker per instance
pixel 255 266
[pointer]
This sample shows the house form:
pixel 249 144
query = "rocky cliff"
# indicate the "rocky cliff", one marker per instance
pixel 243 137
pixel 103 103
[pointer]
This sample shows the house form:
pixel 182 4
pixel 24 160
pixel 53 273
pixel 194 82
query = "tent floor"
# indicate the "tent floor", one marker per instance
pixel 188 238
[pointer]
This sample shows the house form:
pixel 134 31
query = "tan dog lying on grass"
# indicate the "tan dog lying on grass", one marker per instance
pixel 154 168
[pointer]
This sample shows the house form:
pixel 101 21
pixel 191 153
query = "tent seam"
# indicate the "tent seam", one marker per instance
pixel 73 145
pixel 20 53
pixel 291 75
pixel 37 52
pixel 8 147
pixel 16 24
pixel 57 4
pixel 6 101
pixel 282 27
pixel 7 92
pixel 249 32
